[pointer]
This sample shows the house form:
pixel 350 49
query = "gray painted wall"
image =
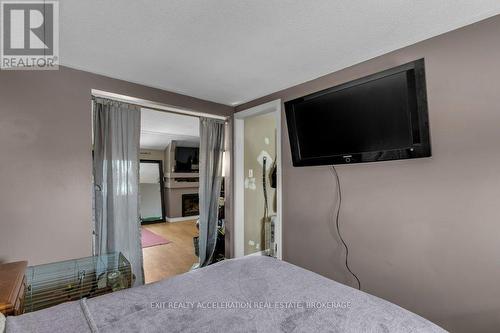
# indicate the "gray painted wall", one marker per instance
pixel 423 233
pixel 152 155
pixel 46 166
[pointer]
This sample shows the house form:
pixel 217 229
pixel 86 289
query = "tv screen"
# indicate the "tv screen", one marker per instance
pixel 186 159
pixel 376 118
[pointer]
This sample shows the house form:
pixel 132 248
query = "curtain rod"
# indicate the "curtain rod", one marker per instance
pixel 152 105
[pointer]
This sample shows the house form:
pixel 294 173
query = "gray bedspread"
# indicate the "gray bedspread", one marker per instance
pixel 252 294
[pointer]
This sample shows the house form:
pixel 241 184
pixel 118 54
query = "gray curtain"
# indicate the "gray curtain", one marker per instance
pixel 117 129
pixel 211 154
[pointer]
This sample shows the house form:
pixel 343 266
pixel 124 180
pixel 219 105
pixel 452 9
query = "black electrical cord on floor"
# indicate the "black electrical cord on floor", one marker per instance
pixel 339 192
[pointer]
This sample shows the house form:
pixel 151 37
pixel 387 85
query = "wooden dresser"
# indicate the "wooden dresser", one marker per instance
pixel 12 286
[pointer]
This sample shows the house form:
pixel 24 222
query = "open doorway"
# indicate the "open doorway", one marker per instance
pixel 167 239
pixel 171 142
pixel 257 181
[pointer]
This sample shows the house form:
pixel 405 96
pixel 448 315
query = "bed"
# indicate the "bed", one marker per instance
pixel 251 294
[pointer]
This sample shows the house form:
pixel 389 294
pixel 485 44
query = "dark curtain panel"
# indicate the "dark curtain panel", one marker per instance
pixel 117 129
pixel 211 154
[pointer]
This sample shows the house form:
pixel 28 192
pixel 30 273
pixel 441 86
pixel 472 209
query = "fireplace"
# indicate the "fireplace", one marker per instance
pixel 190 205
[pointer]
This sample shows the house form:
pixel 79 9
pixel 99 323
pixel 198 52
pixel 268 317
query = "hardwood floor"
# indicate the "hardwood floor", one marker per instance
pixel 171 259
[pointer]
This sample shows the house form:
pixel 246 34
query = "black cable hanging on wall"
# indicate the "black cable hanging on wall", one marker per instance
pixel 339 192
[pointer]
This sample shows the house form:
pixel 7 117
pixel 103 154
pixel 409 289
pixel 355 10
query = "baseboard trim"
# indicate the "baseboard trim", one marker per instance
pixel 181 219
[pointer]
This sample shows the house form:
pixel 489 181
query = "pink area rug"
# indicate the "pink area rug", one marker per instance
pixel 149 238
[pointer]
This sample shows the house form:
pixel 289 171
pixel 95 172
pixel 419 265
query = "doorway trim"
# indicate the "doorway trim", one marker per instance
pixel 239 175
pixel 153 105
pixel 162 191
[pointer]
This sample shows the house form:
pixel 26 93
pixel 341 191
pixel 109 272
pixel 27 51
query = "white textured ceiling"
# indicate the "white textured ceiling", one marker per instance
pixel 159 128
pixel 233 51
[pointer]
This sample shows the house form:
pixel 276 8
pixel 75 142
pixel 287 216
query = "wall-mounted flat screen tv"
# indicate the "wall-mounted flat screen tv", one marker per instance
pixel 186 159
pixel 376 118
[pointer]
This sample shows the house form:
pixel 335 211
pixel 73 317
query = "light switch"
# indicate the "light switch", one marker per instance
pixel 250 173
